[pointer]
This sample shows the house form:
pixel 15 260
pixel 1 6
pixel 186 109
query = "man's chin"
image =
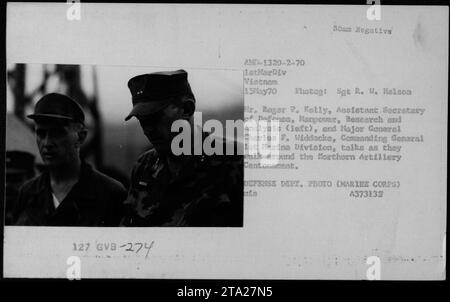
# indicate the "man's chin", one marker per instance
pixel 51 163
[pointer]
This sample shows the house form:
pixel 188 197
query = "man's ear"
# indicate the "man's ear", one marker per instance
pixel 188 109
pixel 82 134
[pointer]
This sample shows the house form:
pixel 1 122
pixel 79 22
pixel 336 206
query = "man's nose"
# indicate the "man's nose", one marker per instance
pixel 47 140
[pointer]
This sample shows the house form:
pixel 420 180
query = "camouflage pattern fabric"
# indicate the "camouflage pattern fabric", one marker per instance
pixel 200 191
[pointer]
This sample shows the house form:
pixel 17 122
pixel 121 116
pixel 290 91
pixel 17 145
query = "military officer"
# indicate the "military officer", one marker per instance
pixel 183 190
pixel 69 192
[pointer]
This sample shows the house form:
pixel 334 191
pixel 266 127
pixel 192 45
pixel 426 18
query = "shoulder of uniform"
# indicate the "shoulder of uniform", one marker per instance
pixel 33 185
pixel 100 179
pixel 107 181
pixel 233 153
pixel 230 146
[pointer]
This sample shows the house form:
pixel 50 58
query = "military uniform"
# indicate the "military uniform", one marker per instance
pixel 203 191
pixel 96 200
pixel 186 190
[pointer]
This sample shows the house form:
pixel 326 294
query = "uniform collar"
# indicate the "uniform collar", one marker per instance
pixel 84 184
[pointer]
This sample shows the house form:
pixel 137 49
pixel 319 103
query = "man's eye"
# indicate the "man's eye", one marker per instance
pixel 150 120
pixel 145 122
pixel 51 133
pixel 58 132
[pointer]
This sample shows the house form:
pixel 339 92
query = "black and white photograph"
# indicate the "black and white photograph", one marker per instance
pixel 157 141
pixel 75 158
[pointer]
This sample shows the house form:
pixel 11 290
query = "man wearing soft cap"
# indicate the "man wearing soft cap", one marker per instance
pixel 69 192
pixel 178 190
